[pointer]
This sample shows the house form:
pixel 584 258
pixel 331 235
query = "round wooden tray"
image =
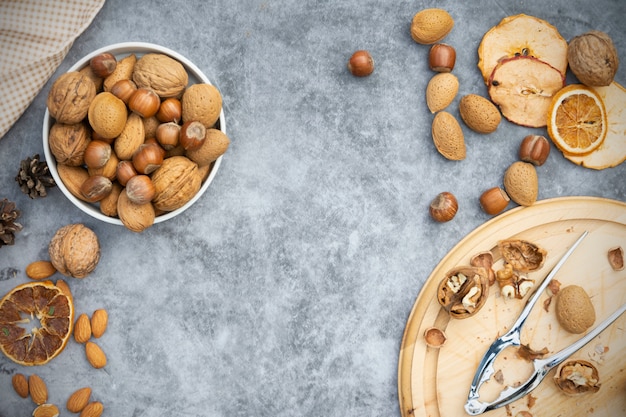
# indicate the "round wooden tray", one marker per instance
pixel 435 382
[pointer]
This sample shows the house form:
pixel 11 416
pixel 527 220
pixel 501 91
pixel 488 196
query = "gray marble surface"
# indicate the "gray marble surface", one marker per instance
pixel 285 290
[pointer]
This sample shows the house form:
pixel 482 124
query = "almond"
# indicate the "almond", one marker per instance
pixel 78 400
pixel 479 114
pixel 82 329
pixel 93 409
pixel 40 270
pixel 131 137
pixel 441 91
pixel 99 321
pixel 448 136
pixel 521 183
pixel 20 385
pixel 431 25
pixel 37 389
pixel 73 178
pixel 46 410
pixel 95 355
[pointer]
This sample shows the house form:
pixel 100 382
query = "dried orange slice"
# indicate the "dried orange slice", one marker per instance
pixel 612 151
pixel 522 35
pixel 577 121
pixel 36 321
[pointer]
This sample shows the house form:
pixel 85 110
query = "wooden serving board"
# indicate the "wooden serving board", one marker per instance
pixel 435 382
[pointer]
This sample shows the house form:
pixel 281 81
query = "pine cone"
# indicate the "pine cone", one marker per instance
pixel 8 225
pixel 34 177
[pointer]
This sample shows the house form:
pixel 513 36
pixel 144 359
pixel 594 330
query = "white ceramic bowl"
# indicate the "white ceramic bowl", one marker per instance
pixel 121 50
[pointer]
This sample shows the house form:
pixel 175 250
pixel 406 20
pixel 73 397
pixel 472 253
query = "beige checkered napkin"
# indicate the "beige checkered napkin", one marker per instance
pixel 35 36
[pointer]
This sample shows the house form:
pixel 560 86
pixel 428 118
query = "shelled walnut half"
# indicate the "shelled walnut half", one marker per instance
pixel 523 256
pixel 577 377
pixel 463 291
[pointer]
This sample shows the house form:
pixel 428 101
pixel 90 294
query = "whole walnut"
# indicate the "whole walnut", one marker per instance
pixel 593 58
pixel 165 75
pixel 70 96
pixel 74 250
pixel 176 182
pixel 68 142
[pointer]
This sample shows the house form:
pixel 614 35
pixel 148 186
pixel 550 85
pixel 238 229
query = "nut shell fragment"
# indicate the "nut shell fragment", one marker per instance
pixel 463 291
pixel 523 256
pixel 576 377
pixel 435 337
pixel 616 258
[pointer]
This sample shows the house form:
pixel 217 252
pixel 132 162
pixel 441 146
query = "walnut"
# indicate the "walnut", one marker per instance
pixel 68 143
pixel 593 58
pixel 575 377
pixel 523 256
pixel 74 250
pixel 463 291
pixel 70 96
pixel 176 182
pixel 165 75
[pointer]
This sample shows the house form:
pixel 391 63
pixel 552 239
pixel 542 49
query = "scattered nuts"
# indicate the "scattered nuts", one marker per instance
pixel 441 57
pixel 82 329
pixel 494 200
pixel 616 258
pixel 74 250
pixel 95 355
pixel 431 25
pixel 534 149
pixel 99 321
pixel 46 410
pixel 40 270
pixel 37 389
pixel 103 65
pixel 441 91
pixel 444 206
pixel 593 59
pixel 448 136
pixel 521 183
pixel 575 377
pixel 479 114
pixel 574 309
pixel 78 400
pixel 434 337
pixel 361 64
pixel 20 385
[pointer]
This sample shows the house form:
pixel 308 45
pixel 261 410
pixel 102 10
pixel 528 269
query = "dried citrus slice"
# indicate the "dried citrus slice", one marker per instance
pixel 523 88
pixel 577 120
pixel 36 321
pixel 522 35
pixel 612 151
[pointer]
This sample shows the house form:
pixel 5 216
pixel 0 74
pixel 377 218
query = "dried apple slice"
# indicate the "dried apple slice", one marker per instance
pixel 523 88
pixel 612 151
pixel 521 35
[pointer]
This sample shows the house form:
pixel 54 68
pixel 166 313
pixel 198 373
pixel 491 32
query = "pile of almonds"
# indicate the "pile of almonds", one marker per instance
pixel 132 137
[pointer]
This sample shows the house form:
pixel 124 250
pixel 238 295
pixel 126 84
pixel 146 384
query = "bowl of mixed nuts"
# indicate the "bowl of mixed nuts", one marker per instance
pixel 134 134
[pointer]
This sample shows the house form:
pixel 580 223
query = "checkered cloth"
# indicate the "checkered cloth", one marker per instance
pixel 35 36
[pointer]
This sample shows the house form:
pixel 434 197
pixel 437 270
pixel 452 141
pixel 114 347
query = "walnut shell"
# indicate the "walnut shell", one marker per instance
pixel 176 182
pixel 165 75
pixel 523 256
pixel 68 142
pixel 463 291
pixel 74 250
pixel 69 98
pixel 593 58
pixel 576 377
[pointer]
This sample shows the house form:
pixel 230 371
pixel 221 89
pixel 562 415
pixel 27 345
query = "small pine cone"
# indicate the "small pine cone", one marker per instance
pixel 8 225
pixel 34 177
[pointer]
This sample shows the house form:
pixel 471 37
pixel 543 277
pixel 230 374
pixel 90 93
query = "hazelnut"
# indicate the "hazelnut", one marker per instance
pixel 494 200
pixel 123 89
pixel 170 110
pixel 168 135
pixel 534 149
pixel 444 206
pixel 103 65
pixel 140 189
pixel 361 64
pixel 95 188
pixel 147 158
pixel 125 171
pixel 97 154
pixel 441 57
pixel 145 102
pixel 192 135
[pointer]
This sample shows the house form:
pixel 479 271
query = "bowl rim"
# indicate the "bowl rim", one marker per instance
pixel 118 49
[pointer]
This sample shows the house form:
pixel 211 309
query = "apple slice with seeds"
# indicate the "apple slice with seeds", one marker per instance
pixel 521 35
pixel 523 88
